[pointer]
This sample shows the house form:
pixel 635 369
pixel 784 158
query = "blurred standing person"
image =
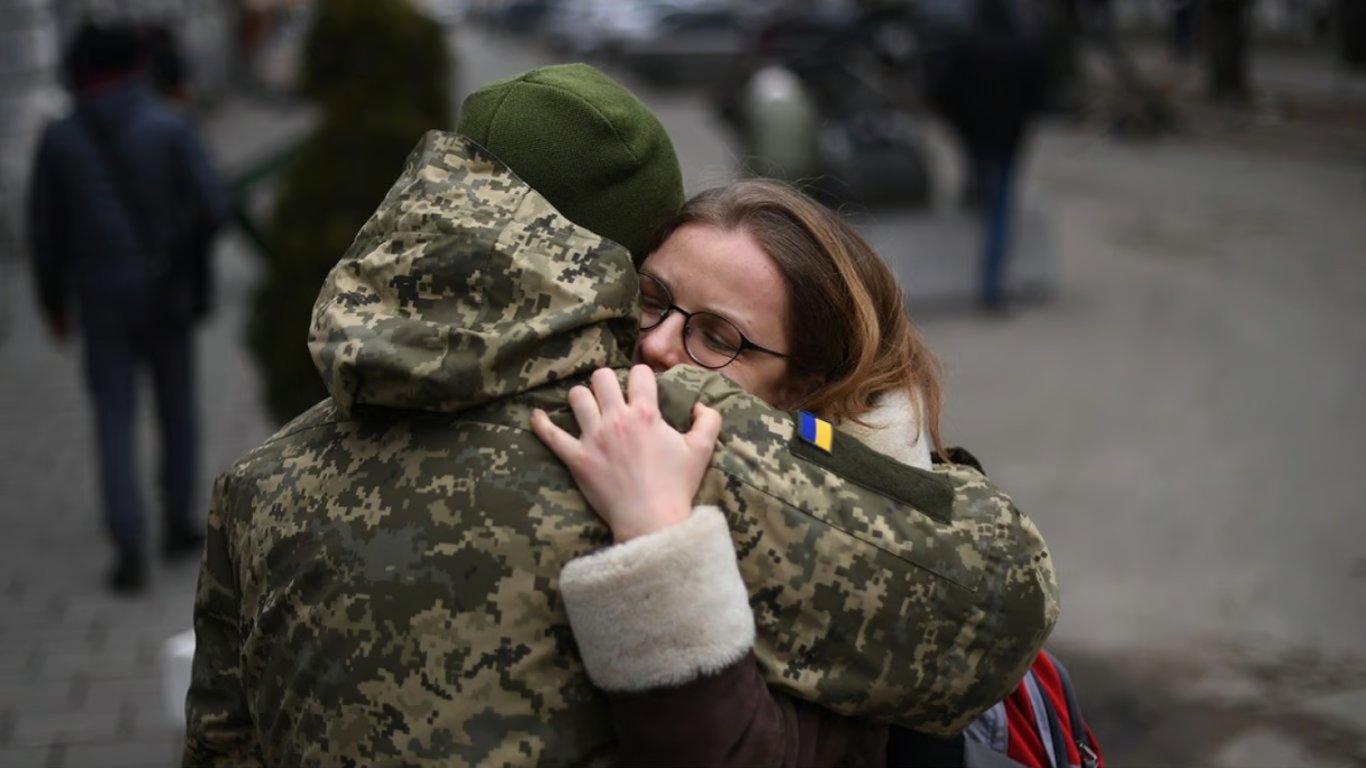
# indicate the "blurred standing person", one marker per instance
pixel 1183 14
pixel 121 190
pixel 987 75
pixel 1099 15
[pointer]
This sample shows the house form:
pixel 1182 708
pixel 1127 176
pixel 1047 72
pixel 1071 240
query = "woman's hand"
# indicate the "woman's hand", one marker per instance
pixel 638 473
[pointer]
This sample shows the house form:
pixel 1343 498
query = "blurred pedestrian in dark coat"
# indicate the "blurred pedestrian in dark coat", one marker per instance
pixel 1182 14
pixel 987 75
pixel 121 190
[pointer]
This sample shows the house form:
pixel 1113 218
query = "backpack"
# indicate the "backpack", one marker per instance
pixel 1039 725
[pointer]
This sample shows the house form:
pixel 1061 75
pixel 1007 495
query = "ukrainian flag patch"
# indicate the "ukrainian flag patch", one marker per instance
pixel 816 431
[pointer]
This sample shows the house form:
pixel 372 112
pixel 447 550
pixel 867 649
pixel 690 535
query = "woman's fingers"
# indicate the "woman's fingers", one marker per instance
pixel 585 407
pixel 608 391
pixel 642 389
pixel 706 427
pixel 560 443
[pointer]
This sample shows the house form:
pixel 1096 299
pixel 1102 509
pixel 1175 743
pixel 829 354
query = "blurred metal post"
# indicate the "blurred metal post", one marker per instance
pixel 1226 48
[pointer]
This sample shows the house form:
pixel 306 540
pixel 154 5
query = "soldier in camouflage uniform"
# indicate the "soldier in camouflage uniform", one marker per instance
pixel 380 578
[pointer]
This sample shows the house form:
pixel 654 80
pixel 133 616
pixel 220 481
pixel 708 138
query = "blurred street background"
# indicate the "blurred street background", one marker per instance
pixel 1174 391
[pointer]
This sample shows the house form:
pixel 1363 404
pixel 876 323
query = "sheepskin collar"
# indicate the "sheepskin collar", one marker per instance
pixel 894 430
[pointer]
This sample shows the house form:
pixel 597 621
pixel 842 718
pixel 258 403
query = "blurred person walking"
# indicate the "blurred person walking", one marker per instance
pixel 122 199
pixel 1182 16
pixel 987 74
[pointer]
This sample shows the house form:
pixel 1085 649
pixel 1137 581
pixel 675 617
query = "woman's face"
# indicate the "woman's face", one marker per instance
pixel 725 272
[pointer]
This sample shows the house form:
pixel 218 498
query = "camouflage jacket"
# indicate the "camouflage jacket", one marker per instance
pixel 380 577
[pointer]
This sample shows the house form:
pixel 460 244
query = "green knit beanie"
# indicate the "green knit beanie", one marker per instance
pixel 585 143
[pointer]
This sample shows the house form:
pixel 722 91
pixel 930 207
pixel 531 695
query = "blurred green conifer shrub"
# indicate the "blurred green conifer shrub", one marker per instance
pixel 381 76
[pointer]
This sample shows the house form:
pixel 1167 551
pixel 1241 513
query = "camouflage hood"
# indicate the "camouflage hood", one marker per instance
pixel 465 286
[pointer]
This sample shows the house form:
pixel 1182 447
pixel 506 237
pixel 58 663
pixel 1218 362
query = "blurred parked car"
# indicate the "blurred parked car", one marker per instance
pixel 700 45
pixel 444 12
pixel 668 41
pixel 518 16
pixel 581 28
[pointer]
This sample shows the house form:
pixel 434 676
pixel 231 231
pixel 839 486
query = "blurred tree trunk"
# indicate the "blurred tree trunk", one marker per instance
pixel 1226 49
pixel 1351 23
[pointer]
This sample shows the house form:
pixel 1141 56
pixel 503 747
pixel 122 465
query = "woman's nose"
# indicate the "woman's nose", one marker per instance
pixel 661 347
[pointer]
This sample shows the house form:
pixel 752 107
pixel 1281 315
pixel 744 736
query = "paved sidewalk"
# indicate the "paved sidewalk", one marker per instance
pixel 80 674
pixel 1185 422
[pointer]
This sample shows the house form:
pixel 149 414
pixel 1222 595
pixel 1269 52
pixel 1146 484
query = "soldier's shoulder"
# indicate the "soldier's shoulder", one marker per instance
pixel 682 386
pixel 315 426
pixel 958 456
pixel 969 479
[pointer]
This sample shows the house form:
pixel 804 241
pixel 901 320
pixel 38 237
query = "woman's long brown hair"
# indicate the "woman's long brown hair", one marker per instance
pixel 847 320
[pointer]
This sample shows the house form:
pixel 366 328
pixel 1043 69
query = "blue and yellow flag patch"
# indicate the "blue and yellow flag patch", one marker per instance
pixel 814 430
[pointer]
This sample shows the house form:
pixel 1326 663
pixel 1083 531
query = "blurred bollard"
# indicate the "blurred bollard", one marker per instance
pixel 783 125
pixel 177 657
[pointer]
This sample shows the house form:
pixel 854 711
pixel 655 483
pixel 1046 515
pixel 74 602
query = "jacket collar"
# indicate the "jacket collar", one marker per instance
pixel 893 429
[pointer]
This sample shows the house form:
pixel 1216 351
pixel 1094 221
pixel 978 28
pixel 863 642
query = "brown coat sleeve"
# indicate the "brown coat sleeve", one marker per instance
pixel 664 627
pixel 731 718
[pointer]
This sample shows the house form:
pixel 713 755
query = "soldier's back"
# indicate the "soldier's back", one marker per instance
pixel 398 580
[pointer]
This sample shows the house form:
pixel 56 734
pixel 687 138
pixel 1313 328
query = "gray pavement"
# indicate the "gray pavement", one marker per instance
pixel 1183 418
pixel 1185 421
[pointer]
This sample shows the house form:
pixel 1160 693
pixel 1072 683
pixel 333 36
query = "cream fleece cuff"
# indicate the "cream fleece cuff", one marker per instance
pixel 662 609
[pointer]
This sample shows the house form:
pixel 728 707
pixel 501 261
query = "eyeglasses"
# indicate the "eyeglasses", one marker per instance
pixel 711 340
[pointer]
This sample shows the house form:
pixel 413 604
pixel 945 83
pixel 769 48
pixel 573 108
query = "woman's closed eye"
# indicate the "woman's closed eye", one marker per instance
pixel 719 343
pixel 717 333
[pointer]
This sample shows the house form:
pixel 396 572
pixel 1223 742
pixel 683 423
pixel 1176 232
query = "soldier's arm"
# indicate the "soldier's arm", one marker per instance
pixel 45 231
pixel 914 597
pixel 664 627
pixel 219 730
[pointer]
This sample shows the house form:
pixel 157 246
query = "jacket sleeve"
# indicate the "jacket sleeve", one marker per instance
pixel 201 180
pixel 664 626
pixel 46 244
pixel 219 730
pixel 915 597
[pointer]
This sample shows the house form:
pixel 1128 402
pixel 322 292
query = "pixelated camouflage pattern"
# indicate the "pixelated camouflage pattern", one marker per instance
pixel 466 286
pixel 380 577
pixel 862 604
